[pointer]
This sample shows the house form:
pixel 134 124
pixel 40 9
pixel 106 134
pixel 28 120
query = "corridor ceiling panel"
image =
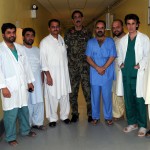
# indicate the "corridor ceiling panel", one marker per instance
pixel 62 9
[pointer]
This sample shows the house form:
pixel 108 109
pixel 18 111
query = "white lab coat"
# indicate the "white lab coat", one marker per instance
pixel 33 55
pixel 147 87
pixel 117 40
pixel 14 75
pixel 142 47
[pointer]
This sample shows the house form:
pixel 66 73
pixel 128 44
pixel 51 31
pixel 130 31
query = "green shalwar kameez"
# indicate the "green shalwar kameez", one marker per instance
pixel 135 107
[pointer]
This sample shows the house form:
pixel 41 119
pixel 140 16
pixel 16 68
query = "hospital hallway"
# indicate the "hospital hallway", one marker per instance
pixel 81 136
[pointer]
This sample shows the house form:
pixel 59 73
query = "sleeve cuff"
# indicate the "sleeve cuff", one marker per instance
pixel 2 86
pixel 45 69
pixel 31 81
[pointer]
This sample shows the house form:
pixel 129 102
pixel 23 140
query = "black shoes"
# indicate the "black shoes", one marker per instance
pixel 67 121
pixel 52 124
pixel 148 134
pixel 74 118
pixel 90 119
pixel 42 127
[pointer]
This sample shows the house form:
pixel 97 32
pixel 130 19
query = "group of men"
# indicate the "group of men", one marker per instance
pixel 60 65
pixel 32 69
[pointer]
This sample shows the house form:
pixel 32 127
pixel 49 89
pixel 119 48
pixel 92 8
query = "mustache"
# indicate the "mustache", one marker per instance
pixel 100 32
pixel 12 37
pixel 116 31
pixel 78 21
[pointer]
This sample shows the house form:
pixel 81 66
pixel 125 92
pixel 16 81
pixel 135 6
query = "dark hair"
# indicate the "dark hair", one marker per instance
pixel 100 21
pixel 119 20
pixel 6 26
pixel 133 17
pixel 28 30
pixel 76 11
pixel 53 20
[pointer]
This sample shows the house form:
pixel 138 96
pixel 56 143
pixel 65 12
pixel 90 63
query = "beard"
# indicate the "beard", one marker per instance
pixel 29 42
pixel 10 39
pixel 118 33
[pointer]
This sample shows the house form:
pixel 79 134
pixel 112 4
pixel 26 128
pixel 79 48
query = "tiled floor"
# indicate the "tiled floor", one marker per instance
pixel 81 136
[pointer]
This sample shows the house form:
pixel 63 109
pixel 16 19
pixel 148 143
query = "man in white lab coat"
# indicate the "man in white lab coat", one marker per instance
pixel 55 66
pixel 147 91
pixel 118 102
pixel 133 59
pixel 15 79
pixel 35 100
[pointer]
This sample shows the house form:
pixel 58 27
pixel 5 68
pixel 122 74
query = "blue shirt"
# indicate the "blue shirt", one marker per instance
pixel 100 55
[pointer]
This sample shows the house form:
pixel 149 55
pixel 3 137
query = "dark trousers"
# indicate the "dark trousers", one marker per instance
pixel 80 74
pixel 135 107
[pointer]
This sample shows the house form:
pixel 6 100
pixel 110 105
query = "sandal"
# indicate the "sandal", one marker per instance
pixel 142 132
pixel 109 122
pixel 148 134
pixel 31 134
pixel 130 128
pixel 13 143
pixel 118 119
pixel 42 127
pixel 95 121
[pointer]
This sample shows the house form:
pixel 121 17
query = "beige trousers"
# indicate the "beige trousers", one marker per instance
pixel 118 106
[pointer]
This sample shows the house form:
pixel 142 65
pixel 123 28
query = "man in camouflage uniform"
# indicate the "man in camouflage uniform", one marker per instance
pixel 76 39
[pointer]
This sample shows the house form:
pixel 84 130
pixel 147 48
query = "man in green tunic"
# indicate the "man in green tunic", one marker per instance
pixel 133 54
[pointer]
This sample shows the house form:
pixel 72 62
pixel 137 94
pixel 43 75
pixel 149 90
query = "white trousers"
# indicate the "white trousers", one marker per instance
pixel 52 107
pixel 36 114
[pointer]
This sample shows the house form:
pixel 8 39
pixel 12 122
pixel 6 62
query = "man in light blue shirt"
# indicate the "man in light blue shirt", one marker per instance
pixel 101 52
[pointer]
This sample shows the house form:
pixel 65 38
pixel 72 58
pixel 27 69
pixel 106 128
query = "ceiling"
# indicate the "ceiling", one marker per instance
pixel 92 9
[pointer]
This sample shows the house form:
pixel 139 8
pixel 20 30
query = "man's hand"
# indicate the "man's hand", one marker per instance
pixel 122 65
pixel 137 66
pixel 6 93
pixel 49 80
pixel 42 76
pixel 101 70
pixel 31 87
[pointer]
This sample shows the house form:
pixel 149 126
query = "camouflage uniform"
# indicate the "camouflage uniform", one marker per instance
pixel 78 67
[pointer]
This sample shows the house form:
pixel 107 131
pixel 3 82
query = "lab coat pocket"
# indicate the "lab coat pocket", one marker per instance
pixel 11 83
pixel 21 58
